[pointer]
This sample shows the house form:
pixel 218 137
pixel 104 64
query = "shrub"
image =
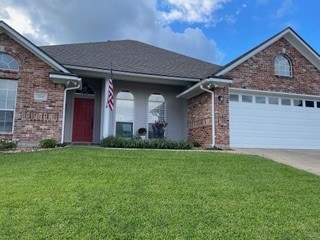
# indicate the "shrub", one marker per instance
pixel 6 145
pixel 142 131
pixel 119 142
pixel 196 144
pixel 112 141
pixel 48 143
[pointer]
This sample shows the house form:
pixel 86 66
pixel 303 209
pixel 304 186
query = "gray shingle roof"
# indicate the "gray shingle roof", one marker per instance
pixel 131 56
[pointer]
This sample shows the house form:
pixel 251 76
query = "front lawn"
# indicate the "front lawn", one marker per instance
pixel 95 193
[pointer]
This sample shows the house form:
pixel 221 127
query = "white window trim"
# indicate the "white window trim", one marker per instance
pixel 115 112
pixel 272 93
pixel 279 69
pixel 13 59
pixel 12 110
pixel 280 96
pixel 164 111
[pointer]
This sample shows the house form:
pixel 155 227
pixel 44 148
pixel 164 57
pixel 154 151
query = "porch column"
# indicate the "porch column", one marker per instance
pixel 105 110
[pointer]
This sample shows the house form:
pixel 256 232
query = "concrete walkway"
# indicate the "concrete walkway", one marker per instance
pixel 308 160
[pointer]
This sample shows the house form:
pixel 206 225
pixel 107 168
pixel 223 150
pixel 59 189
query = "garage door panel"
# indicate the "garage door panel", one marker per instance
pixel 274 126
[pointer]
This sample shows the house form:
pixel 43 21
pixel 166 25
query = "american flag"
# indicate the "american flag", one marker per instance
pixel 110 103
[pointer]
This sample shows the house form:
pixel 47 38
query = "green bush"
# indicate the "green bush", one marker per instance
pixel 119 142
pixel 48 143
pixel 196 144
pixel 7 145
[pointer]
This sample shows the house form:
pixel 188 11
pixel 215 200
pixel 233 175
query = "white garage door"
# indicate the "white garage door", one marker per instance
pixel 274 121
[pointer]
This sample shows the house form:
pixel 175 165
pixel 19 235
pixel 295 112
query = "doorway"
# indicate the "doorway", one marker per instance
pixel 83 120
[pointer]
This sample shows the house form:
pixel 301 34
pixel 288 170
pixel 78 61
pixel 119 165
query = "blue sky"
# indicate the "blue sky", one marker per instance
pixel 217 31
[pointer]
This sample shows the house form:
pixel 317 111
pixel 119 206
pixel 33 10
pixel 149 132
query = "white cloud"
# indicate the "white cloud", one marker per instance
pixel 192 42
pixel 19 20
pixel 192 11
pixel 284 9
pixel 243 6
pixel 231 19
pixel 59 21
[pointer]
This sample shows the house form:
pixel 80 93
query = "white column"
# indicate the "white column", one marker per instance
pixel 105 112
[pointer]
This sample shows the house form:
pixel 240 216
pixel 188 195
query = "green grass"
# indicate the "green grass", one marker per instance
pixel 94 193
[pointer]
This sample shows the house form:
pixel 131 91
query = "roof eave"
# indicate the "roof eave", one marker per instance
pixel 210 83
pixel 130 76
pixel 66 79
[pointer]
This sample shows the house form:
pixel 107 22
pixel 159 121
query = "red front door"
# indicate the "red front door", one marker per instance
pixel 83 120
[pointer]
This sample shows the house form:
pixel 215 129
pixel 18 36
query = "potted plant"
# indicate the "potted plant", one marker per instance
pixel 158 128
pixel 142 133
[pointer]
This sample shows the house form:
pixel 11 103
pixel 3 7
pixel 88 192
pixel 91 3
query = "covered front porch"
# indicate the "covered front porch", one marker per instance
pixel 139 102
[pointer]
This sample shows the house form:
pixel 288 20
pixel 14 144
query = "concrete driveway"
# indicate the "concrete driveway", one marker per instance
pixel 308 160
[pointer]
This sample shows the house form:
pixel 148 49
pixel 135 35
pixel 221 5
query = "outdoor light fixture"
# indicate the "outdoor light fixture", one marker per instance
pixel 220 99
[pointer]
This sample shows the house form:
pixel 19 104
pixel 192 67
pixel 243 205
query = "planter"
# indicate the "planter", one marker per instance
pixel 142 133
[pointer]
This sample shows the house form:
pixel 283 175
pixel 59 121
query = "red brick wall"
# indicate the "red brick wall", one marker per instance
pixel 34 120
pixel 258 72
pixel 199 116
pixel 221 107
pixel 199 119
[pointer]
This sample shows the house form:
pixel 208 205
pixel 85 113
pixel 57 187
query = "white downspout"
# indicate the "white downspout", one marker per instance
pixel 64 108
pixel 212 115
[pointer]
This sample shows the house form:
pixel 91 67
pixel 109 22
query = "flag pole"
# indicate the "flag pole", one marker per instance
pixel 111 73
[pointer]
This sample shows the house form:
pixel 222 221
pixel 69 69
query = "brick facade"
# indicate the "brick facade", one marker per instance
pixel 34 120
pixel 199 115
pixel 256 73
pixel 199 120
pixel 221 108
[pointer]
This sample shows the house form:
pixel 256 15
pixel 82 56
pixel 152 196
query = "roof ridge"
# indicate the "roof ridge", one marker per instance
pixel 80 43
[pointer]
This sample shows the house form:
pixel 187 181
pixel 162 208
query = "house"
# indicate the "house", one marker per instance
pixel 268 97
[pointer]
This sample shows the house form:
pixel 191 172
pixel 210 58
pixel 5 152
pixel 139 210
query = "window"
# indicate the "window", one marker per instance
pixel 156 110
pixel 297 103
pixel 282 66
pixel 8 94
pixel 247 98
pixel 310 104
pixel 7 62
pixel 318 104
pixel 273 100
pixel 234 98
pixel 286 101
pixel 260 99
pixel 124 114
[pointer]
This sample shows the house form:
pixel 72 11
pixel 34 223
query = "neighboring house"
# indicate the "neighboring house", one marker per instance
pixel 269 97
